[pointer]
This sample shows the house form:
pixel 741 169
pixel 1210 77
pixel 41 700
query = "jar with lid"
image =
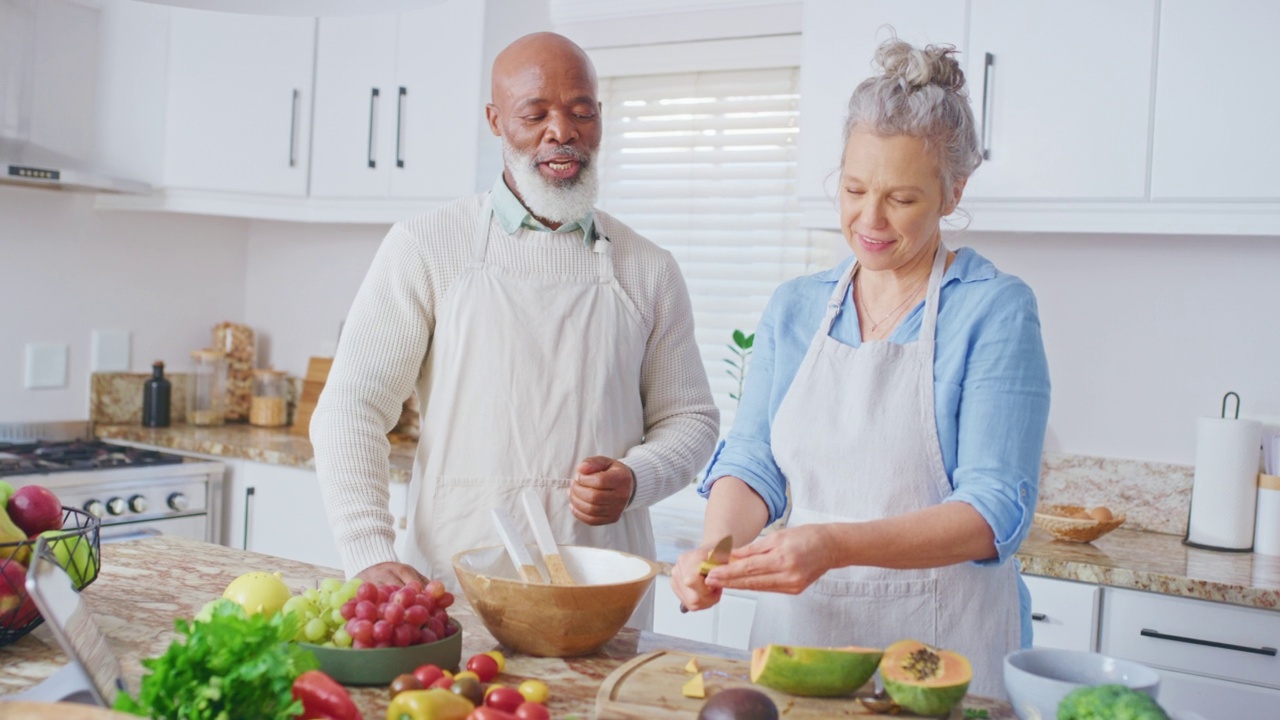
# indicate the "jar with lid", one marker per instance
pixel 207 395
pixel 270 404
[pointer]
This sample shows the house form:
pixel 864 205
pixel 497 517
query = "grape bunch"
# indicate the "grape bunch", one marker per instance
pixel 356 614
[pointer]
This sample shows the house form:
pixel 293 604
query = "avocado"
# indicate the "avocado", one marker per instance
pixel 739 704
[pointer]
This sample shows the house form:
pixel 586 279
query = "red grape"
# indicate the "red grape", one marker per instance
pixel 381 631
pixel 446 600
pixel 348 609
pixel 367 591
pixel 366 610
pixel 404 597
pixel 416 616
pixel 360 630
pixel 361 644
pixel 383 644
pixel 428 636
pixel 402 636
pixel 413 586
pixel 435 626
pixel 393 613
pixel 434 589
pixel 384 592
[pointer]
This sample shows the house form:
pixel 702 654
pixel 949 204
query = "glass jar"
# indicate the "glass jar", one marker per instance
pixel 236 342
pixel 207 391
pixel 270 404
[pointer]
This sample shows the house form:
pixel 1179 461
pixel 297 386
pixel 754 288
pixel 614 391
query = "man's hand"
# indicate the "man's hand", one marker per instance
pixel 601 490
pixel 391 573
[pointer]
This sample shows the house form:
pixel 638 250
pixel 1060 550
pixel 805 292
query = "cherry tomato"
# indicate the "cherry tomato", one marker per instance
pixel 506 699
pixel 428 674
pixel 484 666
pixel 442 682
pixel 469 689
pixel 532 711
pixel 534 691
pixel 467 674
pixel 404 682
pixel 502 659
pixel 488 713
pixel 491 687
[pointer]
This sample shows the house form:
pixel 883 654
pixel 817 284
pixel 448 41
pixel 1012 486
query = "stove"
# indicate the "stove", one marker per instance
pixel 134 492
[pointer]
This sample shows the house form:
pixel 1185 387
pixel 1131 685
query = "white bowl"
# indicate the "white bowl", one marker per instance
pixel 1038 678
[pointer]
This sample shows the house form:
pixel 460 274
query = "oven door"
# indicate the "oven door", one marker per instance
pixel 193 527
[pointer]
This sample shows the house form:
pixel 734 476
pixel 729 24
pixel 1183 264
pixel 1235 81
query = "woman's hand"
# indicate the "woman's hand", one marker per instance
pixel 786 561
pixel 687 582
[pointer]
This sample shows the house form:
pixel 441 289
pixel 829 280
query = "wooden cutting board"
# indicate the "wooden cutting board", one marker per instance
pixel 648 688
pixel 57 711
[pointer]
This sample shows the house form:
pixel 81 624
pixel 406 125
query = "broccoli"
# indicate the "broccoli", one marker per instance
pixel 1109 702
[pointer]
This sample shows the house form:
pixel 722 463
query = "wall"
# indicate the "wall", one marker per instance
pixel 68 270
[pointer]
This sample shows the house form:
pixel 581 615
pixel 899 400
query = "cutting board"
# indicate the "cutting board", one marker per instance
pixel 57 711
pixel 648 688
pixel 312 384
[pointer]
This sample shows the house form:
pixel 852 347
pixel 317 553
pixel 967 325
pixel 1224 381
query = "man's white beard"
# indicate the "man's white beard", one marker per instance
pixel 559 203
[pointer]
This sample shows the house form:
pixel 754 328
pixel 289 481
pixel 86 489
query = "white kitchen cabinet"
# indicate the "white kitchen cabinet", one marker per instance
pixel 1064 614
pixel 278 510
pixel 726 623
pixel 1215 113
pixel 239 101
pixel 736 613
pixel 1063 120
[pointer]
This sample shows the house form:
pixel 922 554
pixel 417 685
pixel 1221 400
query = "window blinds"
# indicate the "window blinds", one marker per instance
pixel 703 164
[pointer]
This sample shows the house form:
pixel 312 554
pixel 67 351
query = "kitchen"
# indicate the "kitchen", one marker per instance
pixel 1121 277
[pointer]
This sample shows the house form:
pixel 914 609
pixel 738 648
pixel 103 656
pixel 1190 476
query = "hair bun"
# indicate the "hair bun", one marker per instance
pixel 914 67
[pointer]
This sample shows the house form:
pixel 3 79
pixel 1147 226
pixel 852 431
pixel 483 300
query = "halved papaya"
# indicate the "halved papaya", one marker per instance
pixel 814 672
pixel 922 679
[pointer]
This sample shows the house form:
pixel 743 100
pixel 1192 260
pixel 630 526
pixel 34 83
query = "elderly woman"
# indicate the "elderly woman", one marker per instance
pixel 902 399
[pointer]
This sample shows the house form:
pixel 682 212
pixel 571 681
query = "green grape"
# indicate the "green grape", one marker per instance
pixel 294 605
pixel 334 618
pixel 330 584
pixel 316 630
pixel 311 594
pixel 336 601
pixel 341 638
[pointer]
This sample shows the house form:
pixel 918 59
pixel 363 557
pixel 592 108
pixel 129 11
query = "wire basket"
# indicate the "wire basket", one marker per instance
pixel 77 550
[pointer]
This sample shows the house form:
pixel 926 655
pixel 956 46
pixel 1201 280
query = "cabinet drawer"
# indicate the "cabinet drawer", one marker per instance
pixel 1064 614
pixel 1172 633
pixel 1212 698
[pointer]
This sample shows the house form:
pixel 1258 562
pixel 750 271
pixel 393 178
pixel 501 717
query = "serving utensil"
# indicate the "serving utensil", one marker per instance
pixel 520 556
pixel 546 541
pixel 718 555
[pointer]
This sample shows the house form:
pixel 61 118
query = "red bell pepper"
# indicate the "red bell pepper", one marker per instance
pixel 323 698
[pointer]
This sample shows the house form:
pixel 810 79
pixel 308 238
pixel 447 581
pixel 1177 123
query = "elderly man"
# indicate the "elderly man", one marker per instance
pixel 552 348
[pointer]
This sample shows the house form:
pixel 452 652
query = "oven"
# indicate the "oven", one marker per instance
pixel 134 492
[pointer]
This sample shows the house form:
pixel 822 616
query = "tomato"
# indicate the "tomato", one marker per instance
pixel 506 699
pixel 502 659
pixel 467 674
pixel 404 682
pixel 428 674
pixel 488 713
pixel 534 691
pixel 483 666
pixel 442 682
pixel 532 711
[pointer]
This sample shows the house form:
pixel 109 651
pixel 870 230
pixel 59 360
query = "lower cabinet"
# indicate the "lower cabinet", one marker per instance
pixel 728 623
pixel 277 510
pixel 1064 614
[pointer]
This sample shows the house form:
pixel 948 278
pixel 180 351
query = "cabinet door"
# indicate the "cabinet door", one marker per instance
pixel 1064 614
pixel 839 43
pixel 736 613
pixel 285 516
pixel 1184 693
pixel 1215 113
pixel 353 133
pixel 1067 95
pixel 439 101
pixel 699 625
pixel 239 102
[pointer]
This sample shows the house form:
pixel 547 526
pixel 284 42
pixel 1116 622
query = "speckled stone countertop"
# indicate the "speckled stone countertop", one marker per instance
pixel 146 584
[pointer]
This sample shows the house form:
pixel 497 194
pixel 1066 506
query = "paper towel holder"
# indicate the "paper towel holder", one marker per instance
pixel 1186 539
pixel 1230 394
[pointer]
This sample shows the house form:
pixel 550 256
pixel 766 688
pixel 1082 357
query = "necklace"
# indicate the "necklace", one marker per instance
pixel 875 324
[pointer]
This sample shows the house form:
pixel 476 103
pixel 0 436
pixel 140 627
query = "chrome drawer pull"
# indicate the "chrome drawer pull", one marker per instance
pixel 1268 651
pixel 1039 617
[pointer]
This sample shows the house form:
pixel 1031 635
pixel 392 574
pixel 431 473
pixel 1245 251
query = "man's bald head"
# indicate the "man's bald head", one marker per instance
pixel 544 52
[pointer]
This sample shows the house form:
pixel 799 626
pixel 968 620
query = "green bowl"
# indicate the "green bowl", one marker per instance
pixel 379 666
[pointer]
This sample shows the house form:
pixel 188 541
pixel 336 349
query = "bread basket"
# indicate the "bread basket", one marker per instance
pixel 1058 521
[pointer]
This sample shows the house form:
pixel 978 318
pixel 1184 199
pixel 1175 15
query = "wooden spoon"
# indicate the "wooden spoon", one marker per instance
pixel 546 541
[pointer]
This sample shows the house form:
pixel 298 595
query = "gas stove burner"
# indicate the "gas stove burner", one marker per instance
pixel 51 457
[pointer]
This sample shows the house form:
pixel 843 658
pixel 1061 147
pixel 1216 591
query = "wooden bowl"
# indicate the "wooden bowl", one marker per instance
pixel 1058 521
pixel 555 620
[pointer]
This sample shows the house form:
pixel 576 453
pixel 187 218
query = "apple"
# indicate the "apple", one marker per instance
pixel 16 608
pixel 35 509
pixel 74 554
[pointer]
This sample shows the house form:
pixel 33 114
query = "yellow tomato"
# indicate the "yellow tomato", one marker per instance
pixel 534 691
pixel 502 660
pixel 466 674
pixel 491 688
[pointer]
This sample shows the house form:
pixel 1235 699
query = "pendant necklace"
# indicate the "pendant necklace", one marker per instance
pixel 875 324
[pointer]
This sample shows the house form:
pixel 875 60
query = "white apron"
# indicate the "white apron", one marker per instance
pixel 528 373
pixel 856 438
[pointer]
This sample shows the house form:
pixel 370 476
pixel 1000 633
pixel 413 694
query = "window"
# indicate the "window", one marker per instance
pixel 703 164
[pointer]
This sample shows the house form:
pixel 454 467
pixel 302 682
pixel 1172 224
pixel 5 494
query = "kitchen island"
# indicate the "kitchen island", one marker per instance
pixel 145 584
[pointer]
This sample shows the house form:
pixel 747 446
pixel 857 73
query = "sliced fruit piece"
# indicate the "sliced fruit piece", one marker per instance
pixel 692 665
pixel 814 672
pixel 695 687
pixel 922 679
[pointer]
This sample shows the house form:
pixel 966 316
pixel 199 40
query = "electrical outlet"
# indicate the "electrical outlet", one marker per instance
pixel 110 351
pixel 46 366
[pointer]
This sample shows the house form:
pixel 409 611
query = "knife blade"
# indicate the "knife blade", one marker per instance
pixel 520 557
pixel 718 555
pixel 546 540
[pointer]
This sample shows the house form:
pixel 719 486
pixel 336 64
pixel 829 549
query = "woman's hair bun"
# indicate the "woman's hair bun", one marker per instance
pixel 916 67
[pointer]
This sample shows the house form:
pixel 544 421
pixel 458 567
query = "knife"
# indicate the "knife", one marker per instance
pixel 546 540
pixel 719 555
pixel 520 556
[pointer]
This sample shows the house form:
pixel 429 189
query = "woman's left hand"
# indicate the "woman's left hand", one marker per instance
pixel 786 561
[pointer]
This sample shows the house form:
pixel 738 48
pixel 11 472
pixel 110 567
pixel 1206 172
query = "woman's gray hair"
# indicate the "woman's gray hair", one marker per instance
pixel 920 93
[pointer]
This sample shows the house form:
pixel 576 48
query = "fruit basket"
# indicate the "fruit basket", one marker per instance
pixel 1073 523
pixel 77 549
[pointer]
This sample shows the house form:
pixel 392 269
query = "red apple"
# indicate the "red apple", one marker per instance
pixel 35 509
pixel 16 608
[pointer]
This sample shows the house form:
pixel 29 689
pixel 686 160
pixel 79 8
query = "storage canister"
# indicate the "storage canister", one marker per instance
pixel 236 342
pixel 1266 531
pixel 207 395
pixel 270 404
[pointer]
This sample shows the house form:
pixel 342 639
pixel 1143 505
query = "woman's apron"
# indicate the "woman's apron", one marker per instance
pixel 856 437
pixel 528 373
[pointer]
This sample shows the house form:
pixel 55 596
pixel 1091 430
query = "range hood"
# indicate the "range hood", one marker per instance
pixel 25 163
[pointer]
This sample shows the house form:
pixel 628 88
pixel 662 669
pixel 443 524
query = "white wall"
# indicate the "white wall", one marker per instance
pixel 66 270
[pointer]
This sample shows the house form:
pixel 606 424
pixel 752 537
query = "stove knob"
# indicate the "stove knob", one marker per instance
pixel 95 508
pixel 116 506
pixel 178 502
pixel 138 503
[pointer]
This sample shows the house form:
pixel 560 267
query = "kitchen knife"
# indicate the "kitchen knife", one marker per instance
pixel 718 555
pixel 520 556
pixel 546 541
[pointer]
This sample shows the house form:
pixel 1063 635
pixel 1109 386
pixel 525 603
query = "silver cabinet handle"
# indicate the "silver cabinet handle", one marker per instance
pixel 293 129
pixel 373 121
pixel 1268 651
pixel 988 66
pixel 248 495
pixel 400 105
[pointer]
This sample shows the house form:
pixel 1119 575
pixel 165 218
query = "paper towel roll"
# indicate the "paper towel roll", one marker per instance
pixel 1224 493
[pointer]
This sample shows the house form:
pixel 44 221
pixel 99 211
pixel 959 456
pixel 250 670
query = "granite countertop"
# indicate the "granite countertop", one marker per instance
pixel 145 584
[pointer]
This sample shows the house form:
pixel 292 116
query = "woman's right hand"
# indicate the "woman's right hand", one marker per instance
pixel 689 584
pixel 391 573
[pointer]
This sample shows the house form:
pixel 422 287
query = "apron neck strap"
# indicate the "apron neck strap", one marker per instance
pixel 929 322
pixel 480 239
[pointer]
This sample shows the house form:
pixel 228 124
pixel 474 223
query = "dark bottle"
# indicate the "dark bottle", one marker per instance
pixel 155 398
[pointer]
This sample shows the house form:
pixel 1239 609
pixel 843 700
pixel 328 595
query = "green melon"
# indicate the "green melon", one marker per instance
pixel 922 679
pixel 813 672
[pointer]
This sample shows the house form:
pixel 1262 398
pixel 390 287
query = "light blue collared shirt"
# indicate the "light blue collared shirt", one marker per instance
pixel 991 392
pixel 513 215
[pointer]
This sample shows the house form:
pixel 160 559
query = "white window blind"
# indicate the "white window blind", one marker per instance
pixel 703 164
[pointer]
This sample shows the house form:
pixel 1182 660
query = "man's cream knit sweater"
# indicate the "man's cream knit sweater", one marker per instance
pixel 388 332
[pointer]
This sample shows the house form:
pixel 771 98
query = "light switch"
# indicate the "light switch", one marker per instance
pixel 46 366
pixel 110 351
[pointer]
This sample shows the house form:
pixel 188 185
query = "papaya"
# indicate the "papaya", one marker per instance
pixel 813 672
pixel 922 679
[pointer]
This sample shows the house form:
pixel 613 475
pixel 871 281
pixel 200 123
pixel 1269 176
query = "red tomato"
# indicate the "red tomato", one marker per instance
pixel 484 666
pixel 443 682
pixel 532 711
pixel 428 674
pixel 506 699
pixel 488 713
